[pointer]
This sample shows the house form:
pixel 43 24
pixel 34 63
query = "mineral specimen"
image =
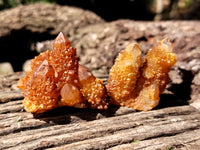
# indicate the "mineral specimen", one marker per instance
pixel 53 81
pixel 124 74
pixel 140 87
pixel 92 88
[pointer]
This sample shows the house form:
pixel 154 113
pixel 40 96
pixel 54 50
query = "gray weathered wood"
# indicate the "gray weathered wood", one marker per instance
pixel 8 83
pixel 43 18
pixel 7 96
pixel 116 128
pixel 70 128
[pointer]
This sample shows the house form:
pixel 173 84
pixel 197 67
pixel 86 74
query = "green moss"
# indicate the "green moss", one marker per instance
pixel 169 148
pixel 150 117
pixel 136 141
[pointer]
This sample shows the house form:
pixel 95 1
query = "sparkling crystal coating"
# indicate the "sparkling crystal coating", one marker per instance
pixel 92 89
pixel 140 87
pixel 53 81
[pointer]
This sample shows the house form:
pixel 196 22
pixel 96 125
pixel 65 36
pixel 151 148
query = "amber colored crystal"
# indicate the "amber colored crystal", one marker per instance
pixel 53 81
pixel 92 88
pixel 154 75
pixel 40 91
pixel 124 74
pixel 70 95
pixel 141 90
pixel 50 71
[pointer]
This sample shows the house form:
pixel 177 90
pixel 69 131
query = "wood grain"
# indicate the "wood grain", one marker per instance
pixel 85 129
pixel 115 128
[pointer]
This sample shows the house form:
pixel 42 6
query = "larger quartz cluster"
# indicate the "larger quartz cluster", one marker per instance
pixel 55 80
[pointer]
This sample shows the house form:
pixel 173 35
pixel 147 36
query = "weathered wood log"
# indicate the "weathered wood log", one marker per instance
pixel 8 82
pixel 45 18
pixel 93 41
pixel 7 96
pixel 181 141
pixel 115 128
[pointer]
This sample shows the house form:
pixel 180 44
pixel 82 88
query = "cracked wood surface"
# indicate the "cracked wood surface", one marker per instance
pixel 115 129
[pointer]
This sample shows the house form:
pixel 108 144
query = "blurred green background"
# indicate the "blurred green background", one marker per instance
pixel 127 9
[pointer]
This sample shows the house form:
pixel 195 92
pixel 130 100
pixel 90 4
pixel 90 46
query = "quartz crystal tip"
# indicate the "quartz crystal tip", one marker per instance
pixel 61 41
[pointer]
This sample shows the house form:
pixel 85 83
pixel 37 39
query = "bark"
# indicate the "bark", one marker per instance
pixel 45 18
pixel 8 83
pixel 97 45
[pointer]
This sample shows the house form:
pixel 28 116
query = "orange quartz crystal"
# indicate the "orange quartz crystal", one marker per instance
pixel 127 86
pixel 92 88
pixel 53 81
pixel 124 74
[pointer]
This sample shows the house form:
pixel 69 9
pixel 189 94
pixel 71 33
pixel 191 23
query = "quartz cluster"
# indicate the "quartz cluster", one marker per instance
pixel 137 84
pixel 56 79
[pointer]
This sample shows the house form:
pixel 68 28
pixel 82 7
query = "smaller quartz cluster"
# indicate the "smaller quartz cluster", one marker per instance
pixel 137 84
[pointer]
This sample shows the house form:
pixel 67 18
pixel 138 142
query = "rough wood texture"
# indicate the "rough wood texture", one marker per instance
pixel 115 128
pixel 43 18
pixel 102 42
